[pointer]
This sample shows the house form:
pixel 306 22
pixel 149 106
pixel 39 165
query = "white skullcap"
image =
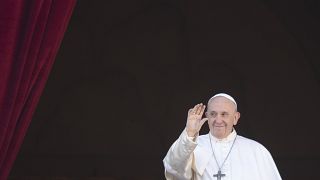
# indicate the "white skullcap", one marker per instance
pixel 224 95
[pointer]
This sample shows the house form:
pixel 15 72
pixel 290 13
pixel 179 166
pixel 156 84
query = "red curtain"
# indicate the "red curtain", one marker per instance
pixel 30 35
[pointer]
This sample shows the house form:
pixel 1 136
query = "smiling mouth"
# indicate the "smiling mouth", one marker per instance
pixel 218 126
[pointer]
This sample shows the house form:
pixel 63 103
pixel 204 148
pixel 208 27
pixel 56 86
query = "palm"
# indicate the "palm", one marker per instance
pixel 194 121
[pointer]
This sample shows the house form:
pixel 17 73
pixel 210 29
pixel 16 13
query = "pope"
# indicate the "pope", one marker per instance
pixel 221 154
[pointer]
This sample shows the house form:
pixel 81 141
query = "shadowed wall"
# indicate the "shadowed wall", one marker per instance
pixel 128 71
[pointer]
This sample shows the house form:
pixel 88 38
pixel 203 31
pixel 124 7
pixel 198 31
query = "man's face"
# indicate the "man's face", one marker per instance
pixel 222 116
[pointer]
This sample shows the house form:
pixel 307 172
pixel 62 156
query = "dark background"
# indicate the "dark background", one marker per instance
pixel 128 71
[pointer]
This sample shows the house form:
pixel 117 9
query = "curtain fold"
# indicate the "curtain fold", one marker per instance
pixel 30 35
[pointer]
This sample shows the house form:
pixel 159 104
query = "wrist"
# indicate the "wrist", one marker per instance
pixel 192 133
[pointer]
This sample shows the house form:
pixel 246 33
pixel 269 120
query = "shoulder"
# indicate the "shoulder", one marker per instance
pixel 244 142
pixel 203 139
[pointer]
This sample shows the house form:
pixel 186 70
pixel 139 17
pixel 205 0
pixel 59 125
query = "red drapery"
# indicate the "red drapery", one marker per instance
pixel 30 35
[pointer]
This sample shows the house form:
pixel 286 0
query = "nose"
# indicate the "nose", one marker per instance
pixel 219 120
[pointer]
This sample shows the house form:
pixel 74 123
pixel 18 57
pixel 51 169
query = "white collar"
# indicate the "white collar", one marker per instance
pixel 229 138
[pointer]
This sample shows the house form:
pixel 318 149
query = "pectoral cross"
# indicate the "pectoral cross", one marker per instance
pixel 219 175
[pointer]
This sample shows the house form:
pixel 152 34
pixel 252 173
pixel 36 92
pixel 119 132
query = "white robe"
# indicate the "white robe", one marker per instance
pixel 248 160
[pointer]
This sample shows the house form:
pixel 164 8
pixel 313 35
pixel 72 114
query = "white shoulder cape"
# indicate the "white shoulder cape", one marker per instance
pixel 249 160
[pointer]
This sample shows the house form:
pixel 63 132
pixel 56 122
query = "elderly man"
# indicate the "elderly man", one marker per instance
pixel 221 154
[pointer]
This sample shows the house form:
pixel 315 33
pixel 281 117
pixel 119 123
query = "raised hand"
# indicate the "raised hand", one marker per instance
pixel 194 120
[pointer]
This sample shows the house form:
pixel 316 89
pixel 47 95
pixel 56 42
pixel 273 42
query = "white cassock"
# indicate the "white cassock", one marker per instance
pixel 248 159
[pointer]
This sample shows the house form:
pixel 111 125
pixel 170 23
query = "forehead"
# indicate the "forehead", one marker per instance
pixel 221 104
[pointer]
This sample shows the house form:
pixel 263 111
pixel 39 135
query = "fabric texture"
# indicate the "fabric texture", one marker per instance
pixel 248 159
pixel 30 35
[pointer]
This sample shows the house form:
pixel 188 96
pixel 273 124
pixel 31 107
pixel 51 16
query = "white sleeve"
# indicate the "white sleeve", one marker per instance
pixel 179 159
pixel 268 168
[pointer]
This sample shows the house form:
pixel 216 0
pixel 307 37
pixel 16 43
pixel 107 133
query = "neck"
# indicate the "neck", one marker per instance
pixel 229 137
pixel 221 137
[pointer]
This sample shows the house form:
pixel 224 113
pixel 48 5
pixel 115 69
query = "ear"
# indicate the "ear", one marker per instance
pixel 206 113
pixel 236 118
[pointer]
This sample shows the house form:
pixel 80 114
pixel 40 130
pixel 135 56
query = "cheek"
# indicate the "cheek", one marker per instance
pixel 210 121
pixel 232 122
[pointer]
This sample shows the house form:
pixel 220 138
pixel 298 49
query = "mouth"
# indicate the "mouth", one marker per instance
pixel 218 126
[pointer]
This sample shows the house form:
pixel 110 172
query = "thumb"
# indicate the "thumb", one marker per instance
pixel 202 121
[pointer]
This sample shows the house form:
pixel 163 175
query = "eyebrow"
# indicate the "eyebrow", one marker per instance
pixel 218 112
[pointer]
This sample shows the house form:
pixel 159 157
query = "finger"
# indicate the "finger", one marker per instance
pixel 202 121
pixel 202 109
pixel 193 110
pixel 198 109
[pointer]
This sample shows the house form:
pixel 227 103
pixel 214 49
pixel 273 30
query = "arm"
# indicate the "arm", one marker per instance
pixel 268 167
pixel 179 159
